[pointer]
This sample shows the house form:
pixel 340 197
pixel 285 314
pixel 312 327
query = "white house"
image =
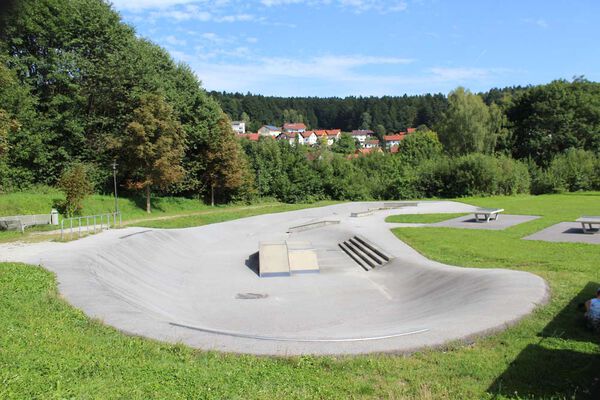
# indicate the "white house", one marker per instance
pixel 307 137
pixel 371 144
pixel 269 130
pixel 238 127
pixel 393 140
pixel 361 135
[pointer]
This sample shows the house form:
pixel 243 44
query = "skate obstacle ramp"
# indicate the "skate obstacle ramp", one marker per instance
pixel 286 258
pixel 195 286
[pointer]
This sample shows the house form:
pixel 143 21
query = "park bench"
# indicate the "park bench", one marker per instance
pixel 487 214
pixel 590 221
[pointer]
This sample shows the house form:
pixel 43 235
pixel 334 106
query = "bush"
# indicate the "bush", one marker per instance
pixel 76 185
pixel 574 170
pixel 473 175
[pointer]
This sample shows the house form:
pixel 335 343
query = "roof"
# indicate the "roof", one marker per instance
pixel 411 130
pixel 307 134
pixel 372 141
pixel 333 132
pixel 250 136
pixel 296 126
pixel 271 127
pixel 361 132
pixel 287 135
pixel 394 138
pixel 237 122
pixel 394 149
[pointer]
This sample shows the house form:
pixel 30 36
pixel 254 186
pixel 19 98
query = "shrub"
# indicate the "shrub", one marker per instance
pixel 574 170
pixel 76 185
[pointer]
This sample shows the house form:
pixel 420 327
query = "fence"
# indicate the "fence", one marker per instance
pixel 93 224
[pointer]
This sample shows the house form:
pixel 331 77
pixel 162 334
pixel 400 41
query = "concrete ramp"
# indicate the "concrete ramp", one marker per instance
pixel 273 260
pixel 198 286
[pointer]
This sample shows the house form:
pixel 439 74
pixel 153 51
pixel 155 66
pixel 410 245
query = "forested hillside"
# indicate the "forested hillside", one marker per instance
pixel 79 91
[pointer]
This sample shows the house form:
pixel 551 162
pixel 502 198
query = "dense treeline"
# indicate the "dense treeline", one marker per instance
pixel 78 85
pixel 380 114
pixel 79 91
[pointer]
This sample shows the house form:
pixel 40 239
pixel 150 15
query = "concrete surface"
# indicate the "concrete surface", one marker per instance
pixel 569 232
pixel 273 259
pixel 199 286
pixel 469 222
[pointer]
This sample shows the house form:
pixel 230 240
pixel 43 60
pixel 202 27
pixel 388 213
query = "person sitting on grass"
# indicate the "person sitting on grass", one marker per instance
pixel 592 312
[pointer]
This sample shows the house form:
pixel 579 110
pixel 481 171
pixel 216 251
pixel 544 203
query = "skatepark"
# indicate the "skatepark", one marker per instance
pixel 203 286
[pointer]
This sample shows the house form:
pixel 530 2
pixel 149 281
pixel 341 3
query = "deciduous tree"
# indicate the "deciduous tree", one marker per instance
pixel 153 146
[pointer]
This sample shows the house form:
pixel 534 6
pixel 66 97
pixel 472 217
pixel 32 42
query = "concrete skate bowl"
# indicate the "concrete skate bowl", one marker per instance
pixel 196 286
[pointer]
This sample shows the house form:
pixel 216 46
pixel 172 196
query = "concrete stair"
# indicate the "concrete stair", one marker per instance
pixel 365 253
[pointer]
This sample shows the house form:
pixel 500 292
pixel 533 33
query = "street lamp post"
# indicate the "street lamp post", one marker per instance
pixel 114 167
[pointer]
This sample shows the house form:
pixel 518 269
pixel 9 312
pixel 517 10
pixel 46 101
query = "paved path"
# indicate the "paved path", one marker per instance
pixel 197 286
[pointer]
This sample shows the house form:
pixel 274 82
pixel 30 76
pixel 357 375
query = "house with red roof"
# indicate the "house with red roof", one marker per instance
pixel 296 127
pixel 371 144
pixel 393 140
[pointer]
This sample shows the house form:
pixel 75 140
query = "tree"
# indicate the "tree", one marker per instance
pixel 549 119
pixel 291 115
pixel 419 146
pixel 226 168
pixel 380 131
pixel 365 120
pixel 245 118
pixel 153 146
pixel 344 145
pixel 466 126
pixel 76 185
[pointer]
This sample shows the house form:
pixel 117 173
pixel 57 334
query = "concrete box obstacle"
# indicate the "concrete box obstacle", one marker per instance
pixel 400 204
pixel 286 258
pixel 590 221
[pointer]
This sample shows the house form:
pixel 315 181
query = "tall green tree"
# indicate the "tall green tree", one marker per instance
pixel 153 147
pixel 549 119
pixel 467 126
pixel 226 168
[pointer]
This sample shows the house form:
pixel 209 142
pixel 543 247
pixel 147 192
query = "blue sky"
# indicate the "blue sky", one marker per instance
pixel 372 47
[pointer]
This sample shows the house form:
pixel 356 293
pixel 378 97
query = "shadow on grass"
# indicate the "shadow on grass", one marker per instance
pixel 155 203
pixel 542 372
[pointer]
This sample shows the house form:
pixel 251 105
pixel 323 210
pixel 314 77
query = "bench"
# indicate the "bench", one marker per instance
pixel 589 221
pixel 487 214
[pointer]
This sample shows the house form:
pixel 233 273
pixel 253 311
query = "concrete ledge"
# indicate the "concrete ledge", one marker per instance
pixel 312 225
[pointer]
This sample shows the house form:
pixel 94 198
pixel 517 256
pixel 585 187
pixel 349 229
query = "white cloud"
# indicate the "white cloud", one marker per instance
pixel 138 5
pixel 172 40
pixel 358 6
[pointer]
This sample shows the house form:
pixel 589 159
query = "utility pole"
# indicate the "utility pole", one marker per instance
pixel 114 167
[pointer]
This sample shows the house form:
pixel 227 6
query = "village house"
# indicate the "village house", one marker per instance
pixel 393 140
pixel 296 127
pixel 269 130
pixel 289 136
pixel 307 137
pixel 238 127
pixel 371 144
pixel 361 135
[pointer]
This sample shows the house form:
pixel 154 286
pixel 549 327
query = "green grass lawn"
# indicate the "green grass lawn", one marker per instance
pixel 51 350
pixel 422 218
pixel 167 212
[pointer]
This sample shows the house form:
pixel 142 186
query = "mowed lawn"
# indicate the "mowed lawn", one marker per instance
pixel 50 350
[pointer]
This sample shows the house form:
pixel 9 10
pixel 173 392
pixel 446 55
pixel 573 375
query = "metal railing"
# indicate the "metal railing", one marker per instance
pixel 88 224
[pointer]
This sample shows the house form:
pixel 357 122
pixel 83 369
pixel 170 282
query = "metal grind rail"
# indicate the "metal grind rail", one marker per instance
pixel 87 224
